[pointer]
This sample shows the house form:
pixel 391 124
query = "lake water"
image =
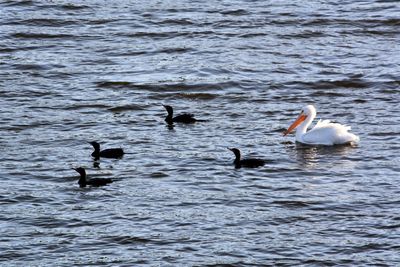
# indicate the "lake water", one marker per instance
pixel 76 71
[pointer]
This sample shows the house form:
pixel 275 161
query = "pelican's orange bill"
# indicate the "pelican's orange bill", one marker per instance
pixel 299 120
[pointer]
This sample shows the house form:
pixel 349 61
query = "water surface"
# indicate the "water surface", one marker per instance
pixel 77 71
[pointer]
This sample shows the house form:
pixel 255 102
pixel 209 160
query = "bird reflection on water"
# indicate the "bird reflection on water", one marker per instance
pixel 309 157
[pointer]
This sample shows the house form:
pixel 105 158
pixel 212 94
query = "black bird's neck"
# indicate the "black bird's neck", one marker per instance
pixel 237 157
pixel 96 148
pixel 169 119
pixel 82 181
pixel 237 162
pixel 170 116
pixel 96 152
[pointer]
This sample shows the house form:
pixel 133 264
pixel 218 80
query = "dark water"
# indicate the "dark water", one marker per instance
pixel 76 71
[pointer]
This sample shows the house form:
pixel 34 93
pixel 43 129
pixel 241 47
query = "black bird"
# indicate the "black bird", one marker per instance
pixel 183 118
pixel 106 153
pixel 83 182
pixel 248 163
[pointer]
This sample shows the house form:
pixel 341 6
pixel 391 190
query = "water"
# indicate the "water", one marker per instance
pixel 77 71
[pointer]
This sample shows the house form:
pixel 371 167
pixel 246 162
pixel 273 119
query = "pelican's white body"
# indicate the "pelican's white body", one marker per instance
pixel 324 132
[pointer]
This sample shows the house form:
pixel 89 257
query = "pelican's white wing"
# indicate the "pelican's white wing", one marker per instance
pixel 327 133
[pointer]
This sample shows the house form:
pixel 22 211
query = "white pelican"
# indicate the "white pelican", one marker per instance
pixel 323 133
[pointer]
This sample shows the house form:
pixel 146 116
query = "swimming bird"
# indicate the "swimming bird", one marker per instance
pixel 324 132
pixel 248 163
pixel 106 153
pixel 83 181
pixel 183 118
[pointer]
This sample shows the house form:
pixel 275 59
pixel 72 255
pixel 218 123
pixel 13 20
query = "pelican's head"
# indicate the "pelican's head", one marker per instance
pixel 308 111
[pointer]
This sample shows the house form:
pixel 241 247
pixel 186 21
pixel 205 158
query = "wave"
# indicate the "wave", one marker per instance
pixel 171 87
pixel 334 84
pixel 42 22
pixel 29 35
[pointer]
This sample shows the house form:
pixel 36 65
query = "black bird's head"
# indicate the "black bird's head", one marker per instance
pixel 81 171
pixel 236 152
pixel 95 145
pixel 169 109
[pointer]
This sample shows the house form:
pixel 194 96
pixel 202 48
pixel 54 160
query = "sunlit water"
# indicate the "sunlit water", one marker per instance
pixel 77 71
